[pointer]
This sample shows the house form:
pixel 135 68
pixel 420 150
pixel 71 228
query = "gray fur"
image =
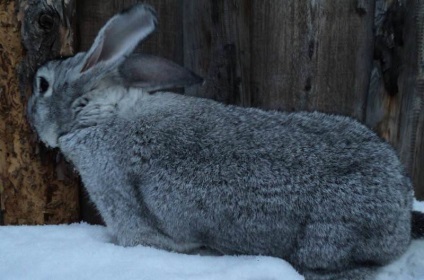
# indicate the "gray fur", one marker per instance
pixel 179 173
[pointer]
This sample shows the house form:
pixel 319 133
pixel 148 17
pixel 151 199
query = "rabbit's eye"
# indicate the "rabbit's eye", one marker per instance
pixel 43 85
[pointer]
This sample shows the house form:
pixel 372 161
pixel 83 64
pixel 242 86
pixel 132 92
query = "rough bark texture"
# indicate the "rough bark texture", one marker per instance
pixel 37 187
pixel 10 55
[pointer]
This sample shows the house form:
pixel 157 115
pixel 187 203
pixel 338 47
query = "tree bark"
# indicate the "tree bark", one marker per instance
pixel 37 186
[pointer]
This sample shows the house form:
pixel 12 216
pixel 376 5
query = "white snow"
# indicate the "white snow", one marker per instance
pixel 419 205
pixel 82 251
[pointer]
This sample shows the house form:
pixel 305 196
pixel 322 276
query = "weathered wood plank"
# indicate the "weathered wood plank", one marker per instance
pixel 312 55
pixel 217 47
pixel 395 100
pixel 411 88
pixel 410 141
pixel 37 186
pixel 418 147
pixel 383 100
pixel 290 55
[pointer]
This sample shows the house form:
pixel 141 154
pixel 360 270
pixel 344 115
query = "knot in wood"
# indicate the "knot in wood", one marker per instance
pixel 46 21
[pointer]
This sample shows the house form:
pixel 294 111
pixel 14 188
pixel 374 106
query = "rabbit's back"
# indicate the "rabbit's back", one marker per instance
pixel 249 181
pixel 246 176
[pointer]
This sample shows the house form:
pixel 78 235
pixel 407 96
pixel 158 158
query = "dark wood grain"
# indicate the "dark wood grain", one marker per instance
pixel 312 55
pixel 395 99
pixel 417 162
pixel 410 141
pixel 216 46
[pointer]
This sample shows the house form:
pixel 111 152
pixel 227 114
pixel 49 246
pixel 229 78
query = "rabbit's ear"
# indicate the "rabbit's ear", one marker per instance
pixel 120 36
pixel 155 73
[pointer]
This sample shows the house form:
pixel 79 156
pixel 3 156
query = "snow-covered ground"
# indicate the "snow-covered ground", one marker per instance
pixel 82 251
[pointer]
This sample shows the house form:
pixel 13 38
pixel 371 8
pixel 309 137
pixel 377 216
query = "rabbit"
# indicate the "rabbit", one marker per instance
pixel 181 173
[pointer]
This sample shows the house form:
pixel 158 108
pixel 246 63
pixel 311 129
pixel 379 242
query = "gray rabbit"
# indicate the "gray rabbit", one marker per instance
pixel 180 173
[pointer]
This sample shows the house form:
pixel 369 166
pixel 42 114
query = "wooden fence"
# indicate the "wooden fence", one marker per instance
pixel 353 57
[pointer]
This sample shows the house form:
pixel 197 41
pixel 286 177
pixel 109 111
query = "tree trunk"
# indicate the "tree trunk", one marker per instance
pixel 37 186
